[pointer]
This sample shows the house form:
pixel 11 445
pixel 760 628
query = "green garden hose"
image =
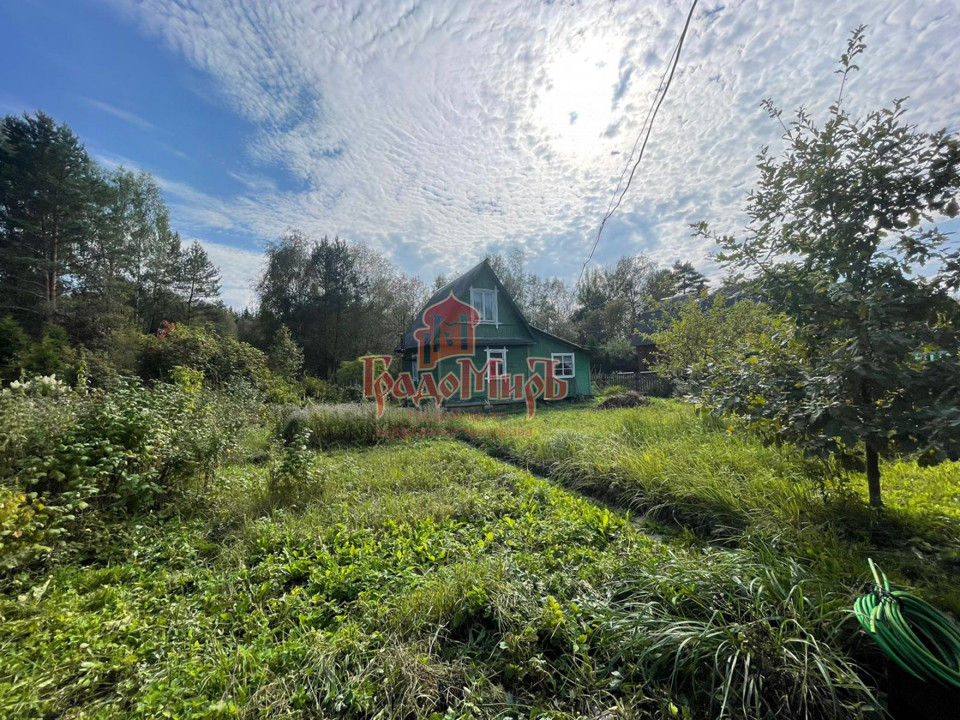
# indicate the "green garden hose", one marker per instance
pixel 914 634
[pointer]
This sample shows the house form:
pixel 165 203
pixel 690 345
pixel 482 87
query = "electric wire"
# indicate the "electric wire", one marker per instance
pixel 648 126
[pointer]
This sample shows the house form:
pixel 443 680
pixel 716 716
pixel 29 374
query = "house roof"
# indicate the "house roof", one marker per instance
pixel 650 322
pixel 558 338
pixel 460 288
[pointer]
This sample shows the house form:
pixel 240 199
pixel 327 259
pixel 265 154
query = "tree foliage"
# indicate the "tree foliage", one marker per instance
pixel 84 248
pixel 199 279
pixel 314 287
pixel 710 333
pixel 839 225
pixel 285 357
pixel 49 195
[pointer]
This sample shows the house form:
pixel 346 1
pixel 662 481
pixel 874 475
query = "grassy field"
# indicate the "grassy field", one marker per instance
pixel 424 578
pixel 695 474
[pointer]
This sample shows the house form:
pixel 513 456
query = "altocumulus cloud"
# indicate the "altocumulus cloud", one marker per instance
pixel 436 130
pixel 239 270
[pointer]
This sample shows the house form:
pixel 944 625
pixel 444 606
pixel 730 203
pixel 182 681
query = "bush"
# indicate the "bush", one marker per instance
pixel 320 390
pixel 12 342
pixel 293 475
pixel 222 360
pixel 70 459
pixel 49 356
pixel 349 378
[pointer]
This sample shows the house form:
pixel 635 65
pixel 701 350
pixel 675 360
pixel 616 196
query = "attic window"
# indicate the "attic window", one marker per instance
pixel 485 303
pixel 563 364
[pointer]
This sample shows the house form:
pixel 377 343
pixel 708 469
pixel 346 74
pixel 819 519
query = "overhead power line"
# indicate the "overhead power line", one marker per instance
pixel 648 126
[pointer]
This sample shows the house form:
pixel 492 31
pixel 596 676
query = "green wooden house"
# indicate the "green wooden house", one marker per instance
pixel 503 341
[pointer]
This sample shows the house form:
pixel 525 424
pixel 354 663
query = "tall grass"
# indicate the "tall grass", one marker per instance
pixel 351 424
pixel 424 580
pixel 726 487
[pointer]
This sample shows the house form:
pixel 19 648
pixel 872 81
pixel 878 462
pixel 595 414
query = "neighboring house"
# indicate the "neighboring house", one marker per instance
pixel 501 336
pixel 647 324
pixel 653 321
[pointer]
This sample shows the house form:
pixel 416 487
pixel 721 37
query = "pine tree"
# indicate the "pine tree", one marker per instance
pixel 687 279
pixel 49 190
pixel 199 279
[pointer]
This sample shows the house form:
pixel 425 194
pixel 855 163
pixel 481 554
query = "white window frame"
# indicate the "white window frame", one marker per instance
pixel 476 294
pixel 491 378
pixel 555 357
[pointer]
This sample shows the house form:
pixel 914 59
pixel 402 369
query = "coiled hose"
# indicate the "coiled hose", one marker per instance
pixel 914 634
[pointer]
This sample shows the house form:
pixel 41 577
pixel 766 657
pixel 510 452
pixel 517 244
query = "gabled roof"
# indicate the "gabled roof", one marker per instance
pixel 558 338
pixel 651 321
pixel 460 287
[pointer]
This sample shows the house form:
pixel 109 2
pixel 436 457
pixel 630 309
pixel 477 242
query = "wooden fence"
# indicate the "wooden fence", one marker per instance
pixel 645 383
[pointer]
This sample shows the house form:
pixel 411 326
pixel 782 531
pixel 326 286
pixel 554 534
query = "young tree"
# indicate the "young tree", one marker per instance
pixel 706 334
pixel 285 357
pixel 199 279
pixel 837 226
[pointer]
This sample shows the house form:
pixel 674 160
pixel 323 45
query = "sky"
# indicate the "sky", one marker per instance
pixel 438 132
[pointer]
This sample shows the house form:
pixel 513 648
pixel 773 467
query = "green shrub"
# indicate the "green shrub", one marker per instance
pixel 13 341
pixel 293 477
pixel 50 356
pixel 320 390
pixel 27 529
pixel 222 360
pixel 89 457
pixel 349 379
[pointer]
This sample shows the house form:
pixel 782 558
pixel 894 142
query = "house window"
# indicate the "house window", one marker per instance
pixel 497 364
pixel 485 303
pixel 563 365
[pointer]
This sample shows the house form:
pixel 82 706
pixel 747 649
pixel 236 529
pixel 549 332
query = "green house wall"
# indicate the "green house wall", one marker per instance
pixel 517 356
pixel 510 326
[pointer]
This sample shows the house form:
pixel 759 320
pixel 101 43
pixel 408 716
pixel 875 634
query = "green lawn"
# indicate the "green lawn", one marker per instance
pixel 418 579
pixel 425 578
pixel 696 474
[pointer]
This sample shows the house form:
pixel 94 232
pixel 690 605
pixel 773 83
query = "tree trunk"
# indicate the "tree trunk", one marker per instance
pixel 873 476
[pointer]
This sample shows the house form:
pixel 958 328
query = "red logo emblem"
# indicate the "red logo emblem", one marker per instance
pixel 446 331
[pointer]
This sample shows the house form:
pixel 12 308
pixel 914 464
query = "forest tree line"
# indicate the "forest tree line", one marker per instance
pixel 88 259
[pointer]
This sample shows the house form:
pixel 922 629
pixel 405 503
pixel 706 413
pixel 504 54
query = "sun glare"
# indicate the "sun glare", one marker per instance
pixel 576 106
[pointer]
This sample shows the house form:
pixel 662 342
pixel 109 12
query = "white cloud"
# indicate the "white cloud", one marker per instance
pixel 239 270
pixel 125 115
pixel 436 130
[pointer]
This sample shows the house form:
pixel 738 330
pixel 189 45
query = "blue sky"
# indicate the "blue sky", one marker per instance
pixel 437 131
